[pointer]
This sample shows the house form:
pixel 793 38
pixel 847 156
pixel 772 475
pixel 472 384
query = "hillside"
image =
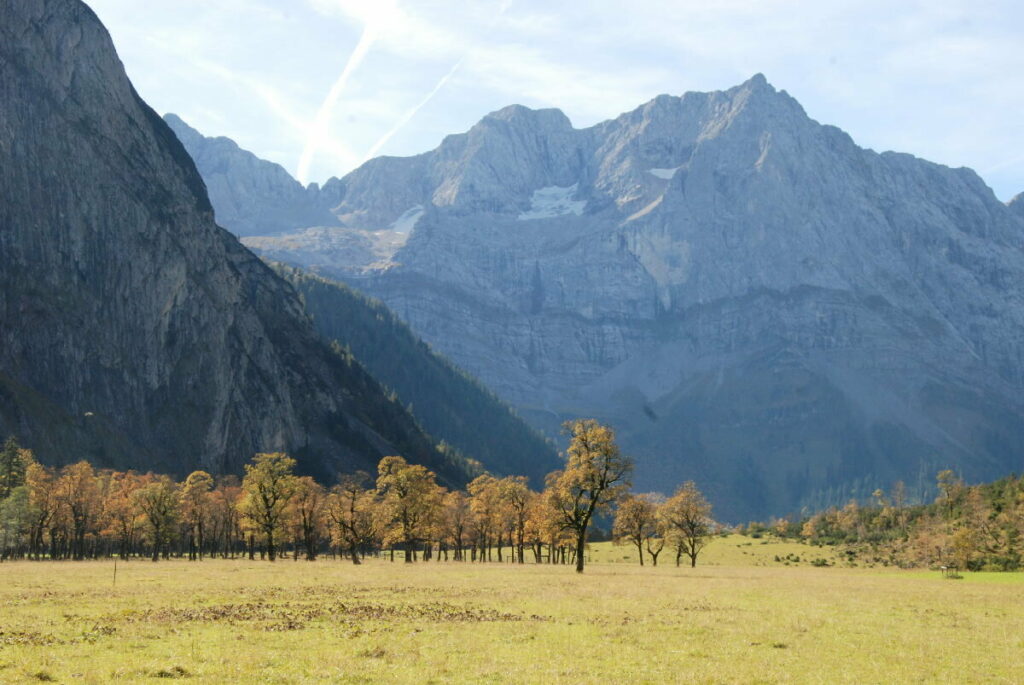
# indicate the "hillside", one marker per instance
pixel 135 331
pixel 449 404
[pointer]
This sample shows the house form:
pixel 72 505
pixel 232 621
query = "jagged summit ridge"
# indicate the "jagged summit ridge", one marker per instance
pixel 498 165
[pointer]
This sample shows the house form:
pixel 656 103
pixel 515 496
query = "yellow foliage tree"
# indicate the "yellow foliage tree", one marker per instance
pixel 410 500
pixel 268 485
pixel 595 476
pixel 636 522
pixel 687 517
pixel 195 509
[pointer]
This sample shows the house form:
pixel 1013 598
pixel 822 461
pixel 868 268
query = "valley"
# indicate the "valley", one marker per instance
pixel 328 620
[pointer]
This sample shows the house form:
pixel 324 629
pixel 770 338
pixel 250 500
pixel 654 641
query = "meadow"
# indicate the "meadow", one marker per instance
pixel 740 616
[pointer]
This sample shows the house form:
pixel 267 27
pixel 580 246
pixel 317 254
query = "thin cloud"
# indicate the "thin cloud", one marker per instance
pixel 407 117
pixel 319 130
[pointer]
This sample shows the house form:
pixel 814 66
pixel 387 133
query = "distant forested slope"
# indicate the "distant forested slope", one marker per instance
pixel 450 405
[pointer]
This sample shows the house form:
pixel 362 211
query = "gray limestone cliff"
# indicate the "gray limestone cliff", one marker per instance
pixel 135 332
pixel 750 298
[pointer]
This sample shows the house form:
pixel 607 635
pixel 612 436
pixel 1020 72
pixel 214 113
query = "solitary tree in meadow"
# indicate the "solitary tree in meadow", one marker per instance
pixel 268 485
pixel 687 517
pixel 636 522
pixel 595 475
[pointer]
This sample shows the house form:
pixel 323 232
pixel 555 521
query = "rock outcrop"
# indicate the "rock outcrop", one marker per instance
pixel 134 332
pixel 753 300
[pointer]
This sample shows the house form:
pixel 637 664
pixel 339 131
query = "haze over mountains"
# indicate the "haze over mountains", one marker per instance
pixel 751 299
pixel 135 332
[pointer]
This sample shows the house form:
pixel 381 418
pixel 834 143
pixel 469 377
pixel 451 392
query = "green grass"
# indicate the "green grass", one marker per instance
pixel 329 621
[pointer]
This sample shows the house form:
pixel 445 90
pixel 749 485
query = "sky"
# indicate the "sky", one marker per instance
pixel 320 86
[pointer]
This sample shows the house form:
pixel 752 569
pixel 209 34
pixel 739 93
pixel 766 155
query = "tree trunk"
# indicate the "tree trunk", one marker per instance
pixel 581 540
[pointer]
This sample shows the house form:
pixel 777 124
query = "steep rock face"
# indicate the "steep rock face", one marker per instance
pixel 251 196
pixel 749 297
pixel 135 332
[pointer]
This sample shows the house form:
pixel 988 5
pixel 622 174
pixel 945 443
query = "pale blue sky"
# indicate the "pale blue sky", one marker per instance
pixel 320 85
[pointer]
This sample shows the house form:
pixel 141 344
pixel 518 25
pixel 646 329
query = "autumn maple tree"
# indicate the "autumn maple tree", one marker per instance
pixel 596 475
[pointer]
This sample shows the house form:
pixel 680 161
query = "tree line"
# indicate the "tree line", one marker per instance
pixel 965 527
pixel 80 512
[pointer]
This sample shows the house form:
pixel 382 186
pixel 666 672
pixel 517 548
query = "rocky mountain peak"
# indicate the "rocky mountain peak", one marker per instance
pixel 521 116
pixel 186 134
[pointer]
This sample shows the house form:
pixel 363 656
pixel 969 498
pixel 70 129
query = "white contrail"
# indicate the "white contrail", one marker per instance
pixel 1013 161
pixel 407 117
pixel 318 132
pixel 503 7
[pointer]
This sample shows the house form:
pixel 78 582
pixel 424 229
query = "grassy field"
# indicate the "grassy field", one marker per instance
pixel 740 618
pixel 731 550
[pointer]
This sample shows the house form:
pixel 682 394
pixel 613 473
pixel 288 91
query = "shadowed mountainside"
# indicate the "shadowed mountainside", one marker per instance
pixel 136 332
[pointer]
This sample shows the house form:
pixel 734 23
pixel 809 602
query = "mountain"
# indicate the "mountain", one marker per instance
pixel 1017 204
pixel 135 331
pixel 252 196
pixel 750 298
pixel 448 403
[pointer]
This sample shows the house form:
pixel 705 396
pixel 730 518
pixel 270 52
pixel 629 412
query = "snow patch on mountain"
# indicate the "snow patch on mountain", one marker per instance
pixel 663 173
pixel 408 220
pixel 553 201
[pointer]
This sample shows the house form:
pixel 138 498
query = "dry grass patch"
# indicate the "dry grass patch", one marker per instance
pixel 241 621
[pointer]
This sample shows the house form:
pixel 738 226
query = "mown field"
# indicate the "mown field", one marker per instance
pixel 741 618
